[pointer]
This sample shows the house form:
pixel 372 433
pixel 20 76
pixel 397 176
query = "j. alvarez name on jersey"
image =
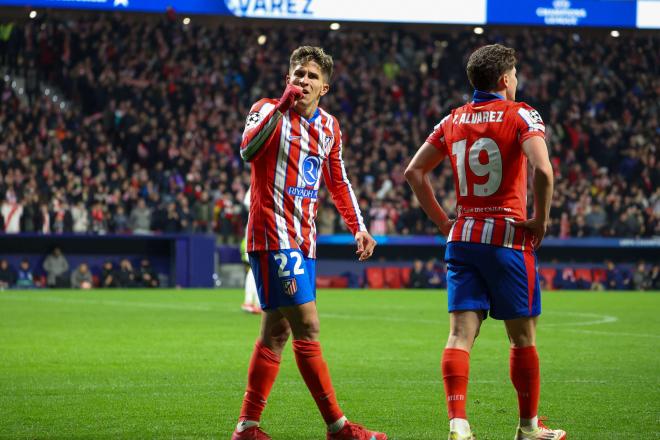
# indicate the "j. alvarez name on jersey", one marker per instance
pixel 479 117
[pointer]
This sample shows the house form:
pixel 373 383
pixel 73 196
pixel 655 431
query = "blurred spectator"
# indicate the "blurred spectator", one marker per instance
pixel 56 267
pixel 24 278
pixel 655 277
pixel 641 278
pixel 172 222
pixel 565 279
pixel 436 277
pixel 119 221
pixel 147 275
pixel 126 274
pixel 80 218
pixel 203 214
pixel 140 221
pixel 99 222
pixel 616 278
pixel 12 211
pixel 418 276
pixel 7 275
pixel 81 278
pixel 108 275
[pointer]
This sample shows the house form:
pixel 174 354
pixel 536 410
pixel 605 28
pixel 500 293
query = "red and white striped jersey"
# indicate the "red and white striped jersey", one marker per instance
pixel 483 140
pixel 286 176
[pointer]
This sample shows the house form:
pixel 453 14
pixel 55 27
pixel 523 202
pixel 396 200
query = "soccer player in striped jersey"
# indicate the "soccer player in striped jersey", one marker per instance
pixel 490 255
pixel 291 143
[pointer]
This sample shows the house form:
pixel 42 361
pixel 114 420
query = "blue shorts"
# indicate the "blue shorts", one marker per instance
pixel 284 278
pixel 501 280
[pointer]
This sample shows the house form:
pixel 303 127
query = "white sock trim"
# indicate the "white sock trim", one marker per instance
pixel 338 425
pixel 461 426
pixel 530 424
pixel 245 424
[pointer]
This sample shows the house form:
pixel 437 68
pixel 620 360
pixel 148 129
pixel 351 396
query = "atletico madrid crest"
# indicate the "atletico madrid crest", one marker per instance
pixel 327 142
pixel 290 286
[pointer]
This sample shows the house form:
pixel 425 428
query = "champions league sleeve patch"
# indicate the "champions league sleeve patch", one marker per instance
pixel 535 116
pixel 253 120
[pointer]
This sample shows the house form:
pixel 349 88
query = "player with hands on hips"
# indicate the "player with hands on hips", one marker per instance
pixel 293 144
pixel 490 254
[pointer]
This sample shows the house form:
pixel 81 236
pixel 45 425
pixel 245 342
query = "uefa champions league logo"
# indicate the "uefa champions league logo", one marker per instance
pixel 310 171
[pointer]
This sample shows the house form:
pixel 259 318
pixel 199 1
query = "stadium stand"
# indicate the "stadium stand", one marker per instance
pixel 157 111
pixel 132 126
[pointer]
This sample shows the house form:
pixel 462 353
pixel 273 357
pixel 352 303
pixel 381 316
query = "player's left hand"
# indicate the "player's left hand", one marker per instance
pixel 365 245
pixel 536 226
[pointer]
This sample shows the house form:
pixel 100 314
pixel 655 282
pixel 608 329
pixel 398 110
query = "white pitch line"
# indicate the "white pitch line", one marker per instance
pixel 106 302
pixel 377 318
pixel 594 332
pixel 598 319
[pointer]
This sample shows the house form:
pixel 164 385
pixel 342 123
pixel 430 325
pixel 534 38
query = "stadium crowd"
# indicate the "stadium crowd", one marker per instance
pixel 147 140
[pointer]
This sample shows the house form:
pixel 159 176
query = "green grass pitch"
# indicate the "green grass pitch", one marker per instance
pixel 172 365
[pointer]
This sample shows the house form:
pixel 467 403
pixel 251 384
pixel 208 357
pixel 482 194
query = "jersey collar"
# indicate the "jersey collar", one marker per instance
pixel 316 114
pixel 480 96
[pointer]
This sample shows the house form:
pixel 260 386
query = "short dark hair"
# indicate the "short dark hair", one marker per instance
pixel 487 64
pixel 305 54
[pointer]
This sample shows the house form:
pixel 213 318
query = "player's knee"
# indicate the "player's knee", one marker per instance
pixel 277 339
pixel 461 340
pixel 281 339
pixel 522 341
pixel 308 329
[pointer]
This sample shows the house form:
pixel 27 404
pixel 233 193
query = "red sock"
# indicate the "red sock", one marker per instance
pixel 263 369
pixel 526 378
pixel 315 373
pixel 455 373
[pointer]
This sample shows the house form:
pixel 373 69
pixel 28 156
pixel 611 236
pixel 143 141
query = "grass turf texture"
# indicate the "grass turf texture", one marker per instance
pixel 172 365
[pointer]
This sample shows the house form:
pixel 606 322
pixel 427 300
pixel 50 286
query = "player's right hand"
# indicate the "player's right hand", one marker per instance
pixel 291 94
pixel 445 227
pixel 537 227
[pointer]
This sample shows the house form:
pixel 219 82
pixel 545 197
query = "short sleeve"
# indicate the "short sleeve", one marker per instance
pixel 529 123
pixel 437 138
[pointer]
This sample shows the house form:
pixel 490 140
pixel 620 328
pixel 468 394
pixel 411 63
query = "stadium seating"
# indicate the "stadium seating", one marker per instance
pixel 168 129
pixel 375 277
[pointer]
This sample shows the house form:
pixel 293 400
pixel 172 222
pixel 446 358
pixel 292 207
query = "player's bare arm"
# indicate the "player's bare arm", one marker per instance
pixel 536 151
pixel 426 159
